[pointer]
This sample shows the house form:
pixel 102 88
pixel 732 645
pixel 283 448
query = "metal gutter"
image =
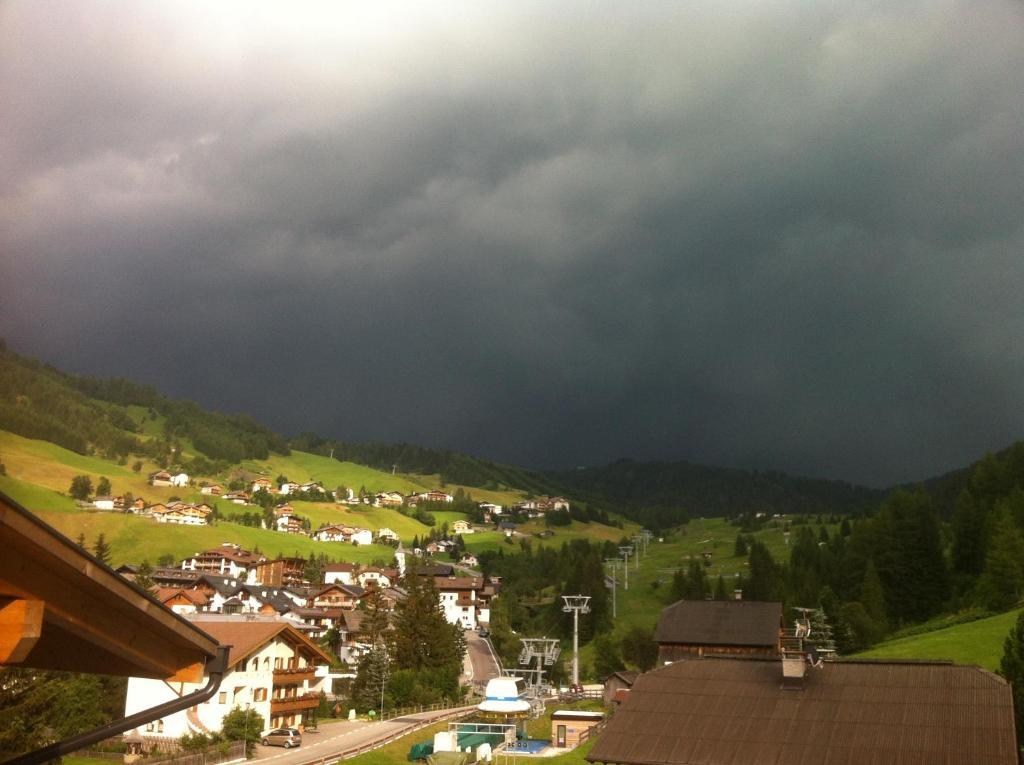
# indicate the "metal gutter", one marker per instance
pixel 216 669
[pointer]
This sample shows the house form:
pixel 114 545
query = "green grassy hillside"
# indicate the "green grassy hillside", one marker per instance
pixel 39 474
pixel 649 585
pixel 979 642
pixel 132 538
pixel 36 497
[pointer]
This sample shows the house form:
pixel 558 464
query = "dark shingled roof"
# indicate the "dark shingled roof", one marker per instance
pixel 720 622
pixel 725 711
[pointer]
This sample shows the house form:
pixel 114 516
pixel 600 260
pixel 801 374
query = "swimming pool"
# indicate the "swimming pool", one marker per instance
pixel 527 746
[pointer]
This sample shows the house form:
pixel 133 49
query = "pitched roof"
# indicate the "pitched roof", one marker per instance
pixel 458 583
pixel 720 622
pixel 164 594
pixel 724 710
pixel 339 567
pixel 246 637
pixel 625 675
pixel 223 585
pixel 272 596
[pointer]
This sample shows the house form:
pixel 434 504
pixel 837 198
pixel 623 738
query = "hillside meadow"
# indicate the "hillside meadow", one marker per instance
pixel 979 642
pixel 133 539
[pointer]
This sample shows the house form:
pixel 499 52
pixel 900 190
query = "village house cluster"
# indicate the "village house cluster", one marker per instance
pixel 229 580
pixel 275 620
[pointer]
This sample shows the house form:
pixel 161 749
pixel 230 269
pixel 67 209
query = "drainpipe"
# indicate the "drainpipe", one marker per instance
pixel 215 669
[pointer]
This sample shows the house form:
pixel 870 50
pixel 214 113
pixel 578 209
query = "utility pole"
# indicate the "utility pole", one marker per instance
pixel 576 604
pixel 614 564
pixel 626 552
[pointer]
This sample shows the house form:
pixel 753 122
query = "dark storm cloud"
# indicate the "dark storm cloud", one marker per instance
pixel 784 236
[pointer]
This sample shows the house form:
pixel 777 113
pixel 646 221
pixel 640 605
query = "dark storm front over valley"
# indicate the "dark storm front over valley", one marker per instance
pixel 780 236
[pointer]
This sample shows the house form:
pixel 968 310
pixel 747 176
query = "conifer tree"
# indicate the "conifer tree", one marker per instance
pixel 1012 668
pixel 371 678
pixel 1002 581
pixel 422 637
pixel 81 487
pixel 101 549
pixel 607 658
pixel 720 592
pixel 968 536
pixel 143 575
pixel 872 596
pixel 765 582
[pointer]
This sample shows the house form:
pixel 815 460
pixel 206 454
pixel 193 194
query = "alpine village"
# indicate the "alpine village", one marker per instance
pixel 183 586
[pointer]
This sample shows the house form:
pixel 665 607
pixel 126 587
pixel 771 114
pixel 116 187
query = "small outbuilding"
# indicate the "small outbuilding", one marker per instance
pixel 618 681
pixel 570 727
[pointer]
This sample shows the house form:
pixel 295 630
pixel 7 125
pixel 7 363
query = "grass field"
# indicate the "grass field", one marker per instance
pixel 303 466
pixel 979 642
pixel 36 497
pixel 364 516
pixel 52 467
pixel 649 584
pixel 133 538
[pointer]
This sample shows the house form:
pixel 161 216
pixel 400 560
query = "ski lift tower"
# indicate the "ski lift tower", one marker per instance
pixel 614 563
pixel 545 651
pixel 626 552
pixel 647 536
pixel 576 604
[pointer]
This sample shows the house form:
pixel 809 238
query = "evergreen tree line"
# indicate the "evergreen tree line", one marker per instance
pixel 88 416
pixel 415 656
pixel 533 583
pixel 902 564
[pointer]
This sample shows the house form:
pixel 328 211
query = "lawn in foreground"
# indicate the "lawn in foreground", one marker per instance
pixel 979 642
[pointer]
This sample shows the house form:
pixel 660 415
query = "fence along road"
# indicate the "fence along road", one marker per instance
pixel 340 741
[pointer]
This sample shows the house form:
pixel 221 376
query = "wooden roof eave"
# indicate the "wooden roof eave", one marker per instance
pixel 61 608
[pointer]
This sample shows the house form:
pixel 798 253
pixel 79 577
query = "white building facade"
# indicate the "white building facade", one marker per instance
pixel 273 673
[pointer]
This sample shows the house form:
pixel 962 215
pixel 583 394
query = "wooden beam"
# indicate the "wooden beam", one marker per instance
pixel 90 609
pixel 21 626
pixel 190 674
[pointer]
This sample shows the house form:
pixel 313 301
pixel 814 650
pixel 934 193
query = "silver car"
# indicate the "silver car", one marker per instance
pixel 286 737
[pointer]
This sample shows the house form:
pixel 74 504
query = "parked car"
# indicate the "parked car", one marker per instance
pixel 485 633
pixel 286 737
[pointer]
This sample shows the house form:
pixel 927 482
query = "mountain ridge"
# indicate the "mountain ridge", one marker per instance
pixel 119 418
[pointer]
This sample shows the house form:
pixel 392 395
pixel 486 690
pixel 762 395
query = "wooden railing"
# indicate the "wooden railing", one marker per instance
pixel 294 675
pixel 592 731
pixel 294 703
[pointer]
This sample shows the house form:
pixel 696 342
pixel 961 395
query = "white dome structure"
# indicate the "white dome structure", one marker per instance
pixel 504 696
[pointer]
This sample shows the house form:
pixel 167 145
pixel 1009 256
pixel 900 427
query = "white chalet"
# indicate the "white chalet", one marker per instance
pixel 273 671
pixel 340 573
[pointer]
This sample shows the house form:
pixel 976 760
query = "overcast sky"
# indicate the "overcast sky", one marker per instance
pixel 775 235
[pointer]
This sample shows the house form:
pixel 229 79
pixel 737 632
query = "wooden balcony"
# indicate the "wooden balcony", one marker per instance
pixel 294 704
pixel 294 676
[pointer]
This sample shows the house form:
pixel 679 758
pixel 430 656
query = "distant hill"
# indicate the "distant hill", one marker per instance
pixel 656 492
pixel 123 420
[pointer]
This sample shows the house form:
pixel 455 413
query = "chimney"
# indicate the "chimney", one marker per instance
pixel 737 594
pixel 794 667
